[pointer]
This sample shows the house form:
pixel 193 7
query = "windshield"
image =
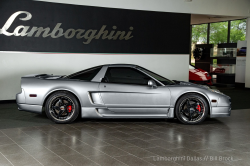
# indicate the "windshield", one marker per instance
pixel 158 77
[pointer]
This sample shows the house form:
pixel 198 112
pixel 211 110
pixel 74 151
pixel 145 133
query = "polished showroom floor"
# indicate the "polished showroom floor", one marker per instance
pixel 30 139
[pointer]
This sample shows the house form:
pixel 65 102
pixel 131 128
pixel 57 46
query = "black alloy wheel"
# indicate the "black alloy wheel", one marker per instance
pixel 191 109
pixel 62 107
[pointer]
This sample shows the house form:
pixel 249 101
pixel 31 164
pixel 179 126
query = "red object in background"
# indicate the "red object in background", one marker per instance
pixel 219 70
pixel 199 76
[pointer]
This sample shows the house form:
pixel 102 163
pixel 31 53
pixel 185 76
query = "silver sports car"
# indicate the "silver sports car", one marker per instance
pixel 119 91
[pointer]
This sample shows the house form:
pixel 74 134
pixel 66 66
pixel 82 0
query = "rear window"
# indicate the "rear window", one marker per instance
pixel 86 75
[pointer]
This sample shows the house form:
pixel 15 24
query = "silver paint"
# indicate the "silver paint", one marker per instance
pixel 109 100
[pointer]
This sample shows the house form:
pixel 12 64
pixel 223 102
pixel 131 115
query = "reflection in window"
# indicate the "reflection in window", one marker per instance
pixel 199 36
pixel 218 33
pixel 238 30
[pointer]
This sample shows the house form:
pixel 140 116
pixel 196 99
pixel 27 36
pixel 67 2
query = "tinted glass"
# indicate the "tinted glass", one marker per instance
pixel 126 75
pixel 158 77
pixel 87 75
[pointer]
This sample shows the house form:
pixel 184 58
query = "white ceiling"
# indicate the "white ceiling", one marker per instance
pixel 200 19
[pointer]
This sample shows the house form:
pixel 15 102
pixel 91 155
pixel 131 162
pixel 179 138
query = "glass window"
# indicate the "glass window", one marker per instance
pixel 126 75
pixel 86 75
pixel 158 77
pixel 218 32
pixel 238 30
pixel 191 67
pixel 199 36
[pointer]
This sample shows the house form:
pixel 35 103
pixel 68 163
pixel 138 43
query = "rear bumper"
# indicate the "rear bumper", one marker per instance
pixel 220 112
pixel 22 106
pixel 30 108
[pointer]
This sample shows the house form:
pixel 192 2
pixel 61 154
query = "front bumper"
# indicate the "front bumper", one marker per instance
pixel 223 108
pixel 220 112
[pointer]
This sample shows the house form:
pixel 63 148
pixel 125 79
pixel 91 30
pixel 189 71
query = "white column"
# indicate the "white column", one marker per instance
pixel 247 78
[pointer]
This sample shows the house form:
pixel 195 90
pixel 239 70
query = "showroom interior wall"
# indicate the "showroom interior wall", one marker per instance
pixel 53 38
pixel 14 64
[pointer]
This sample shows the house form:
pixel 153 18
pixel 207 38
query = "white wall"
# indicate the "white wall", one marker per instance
pixel 212 7
pixel 15 65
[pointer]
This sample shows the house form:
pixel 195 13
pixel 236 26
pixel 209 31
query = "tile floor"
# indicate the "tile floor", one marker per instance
pixel 220 141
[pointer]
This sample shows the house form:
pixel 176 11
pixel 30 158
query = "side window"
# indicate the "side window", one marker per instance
pixel 87 75
pixel 126 75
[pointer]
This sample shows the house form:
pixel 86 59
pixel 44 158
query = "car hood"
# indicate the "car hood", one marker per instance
pixel 191 84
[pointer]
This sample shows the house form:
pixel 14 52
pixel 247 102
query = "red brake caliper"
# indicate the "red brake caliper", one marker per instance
pixel 198 108
pixel 69 108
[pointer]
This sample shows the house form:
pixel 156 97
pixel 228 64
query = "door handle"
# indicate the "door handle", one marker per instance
pixel 104 86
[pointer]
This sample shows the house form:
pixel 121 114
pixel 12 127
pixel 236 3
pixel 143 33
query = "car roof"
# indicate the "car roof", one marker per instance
pixel 121 65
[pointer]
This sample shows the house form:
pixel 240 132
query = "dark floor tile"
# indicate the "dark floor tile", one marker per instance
pixel 12 133
pixel 133 161
pixel 138 152
pixel 106 160
pixel 86 129
pixel 158 151
pixel 21 159
pixel 121 135
pixel 92 141
pixel 111 150
pixel 79 160
pixel 63 127
pixel 78 134
pixel 125 129
pixel 164 144
pixel 143 136
pixel 118 143
pixel 141 143
pixel 5 140
pixel 2 134
pixel 71 141
pixel 102 135
pixel 186 152
pixel 36 134
pixel 4 161
pixel 38 150
pixel 87 150
pixel 58 134
pixel 160 161
pixel 25 140
pixel 48 141
pixel 52 160
pixel 11 149
pixel 62 150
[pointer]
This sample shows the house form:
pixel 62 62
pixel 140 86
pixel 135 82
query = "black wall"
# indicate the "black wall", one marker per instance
pixel 154 32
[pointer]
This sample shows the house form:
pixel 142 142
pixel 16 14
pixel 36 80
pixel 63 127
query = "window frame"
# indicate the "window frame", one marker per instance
pixel 84 71
pixel 135 68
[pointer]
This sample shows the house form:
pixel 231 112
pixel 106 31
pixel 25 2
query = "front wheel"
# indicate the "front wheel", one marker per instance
pixel 191 109
pixel 62 107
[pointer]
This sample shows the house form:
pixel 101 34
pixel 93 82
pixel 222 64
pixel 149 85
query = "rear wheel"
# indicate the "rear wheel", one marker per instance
pixel 62 107
pixel 191 109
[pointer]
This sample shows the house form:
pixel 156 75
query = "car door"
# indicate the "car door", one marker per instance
pixel 126 92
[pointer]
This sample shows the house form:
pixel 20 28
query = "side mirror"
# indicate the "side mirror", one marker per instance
pixel 152 84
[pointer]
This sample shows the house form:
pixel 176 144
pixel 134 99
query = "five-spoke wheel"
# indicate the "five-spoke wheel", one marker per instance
pixel 62 107
pixel 191 109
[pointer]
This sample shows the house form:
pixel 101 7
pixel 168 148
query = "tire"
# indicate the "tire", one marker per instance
pixel 62 107
pixel 191 109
